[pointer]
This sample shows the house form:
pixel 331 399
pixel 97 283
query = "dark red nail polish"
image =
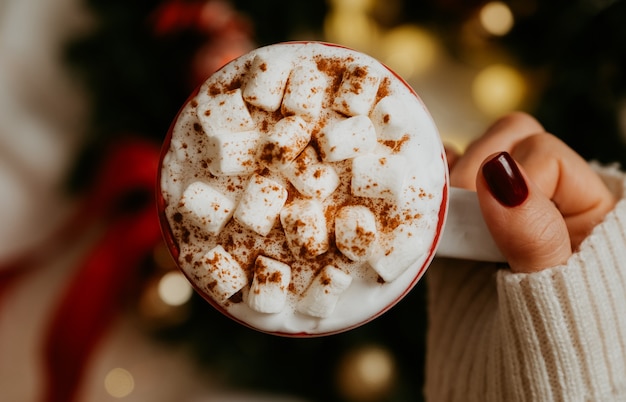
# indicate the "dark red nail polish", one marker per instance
pixel 505 181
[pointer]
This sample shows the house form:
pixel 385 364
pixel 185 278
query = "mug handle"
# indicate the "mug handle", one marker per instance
pixel 465 234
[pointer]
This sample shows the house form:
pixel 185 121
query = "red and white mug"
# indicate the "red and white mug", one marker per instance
pixel 304 190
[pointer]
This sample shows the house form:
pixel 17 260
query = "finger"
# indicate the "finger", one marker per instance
pixel 501 136
pixel 565 178
pixel 525 224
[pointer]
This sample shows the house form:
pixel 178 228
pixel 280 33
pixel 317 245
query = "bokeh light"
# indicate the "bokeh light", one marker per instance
pixel 496 18
pixel 367 373
pixel 174 289
pixel 409 50
pixel 165 300
pixel 356 30
pixel 498 89
pixel 353 5
pixel 119 383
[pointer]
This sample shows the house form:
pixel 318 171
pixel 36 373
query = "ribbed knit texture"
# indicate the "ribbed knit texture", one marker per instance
pixel 556 335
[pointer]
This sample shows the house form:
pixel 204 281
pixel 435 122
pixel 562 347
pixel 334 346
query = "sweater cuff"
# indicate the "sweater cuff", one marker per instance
pixel 568 322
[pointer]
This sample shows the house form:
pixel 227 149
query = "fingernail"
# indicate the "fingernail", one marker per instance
pixel 505 181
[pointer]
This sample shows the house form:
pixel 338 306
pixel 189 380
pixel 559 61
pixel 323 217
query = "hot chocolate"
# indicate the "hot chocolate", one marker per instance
pixel 303 189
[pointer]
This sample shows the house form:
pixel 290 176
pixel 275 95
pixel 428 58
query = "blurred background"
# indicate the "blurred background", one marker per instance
pixel 92 307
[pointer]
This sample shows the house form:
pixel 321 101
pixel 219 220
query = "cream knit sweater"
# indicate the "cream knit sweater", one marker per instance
pixel 556 335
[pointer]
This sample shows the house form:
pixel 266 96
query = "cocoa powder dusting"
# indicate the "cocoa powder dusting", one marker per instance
pixel 215 89
pixel 396 145
pixel 234 84
pixel 383 89
pixel 332 67
pixel 185 235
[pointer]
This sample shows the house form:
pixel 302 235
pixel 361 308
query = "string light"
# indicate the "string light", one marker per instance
pixel 496 18
pixel 119 383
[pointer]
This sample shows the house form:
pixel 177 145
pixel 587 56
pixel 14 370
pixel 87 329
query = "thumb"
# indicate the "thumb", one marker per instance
pixel 525 224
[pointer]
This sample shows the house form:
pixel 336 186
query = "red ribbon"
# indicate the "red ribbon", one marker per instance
pixel 95 294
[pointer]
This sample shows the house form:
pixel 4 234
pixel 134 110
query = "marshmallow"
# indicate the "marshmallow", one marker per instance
pixel 311 177
pixel 206 207
pixel 266 81
pixel 392 119
pixel 225 112
pixel 222 276
pixel 268 292
pixel 284 142
pixel 320 298
pixel 260 204
pixel 233 154
pixel 347 138
pixel 355 232
pixel 377 176
pixel 304 225
pixel 357 91
pixel 405 249
pixel 304 93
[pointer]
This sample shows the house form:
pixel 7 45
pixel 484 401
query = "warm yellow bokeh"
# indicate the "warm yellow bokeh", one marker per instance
pixel 356 30
pixel 174 289
pixel 119 383
pixel 498 89
pixel 409 50
pixel 496 18
pixel 367 373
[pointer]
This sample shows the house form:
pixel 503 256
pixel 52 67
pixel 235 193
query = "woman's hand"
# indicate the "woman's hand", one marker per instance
pixel 538 197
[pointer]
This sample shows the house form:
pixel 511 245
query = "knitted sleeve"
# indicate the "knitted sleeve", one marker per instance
pixel 556 335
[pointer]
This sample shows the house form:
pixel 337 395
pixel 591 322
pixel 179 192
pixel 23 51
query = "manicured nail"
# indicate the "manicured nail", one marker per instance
pixel 505 181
